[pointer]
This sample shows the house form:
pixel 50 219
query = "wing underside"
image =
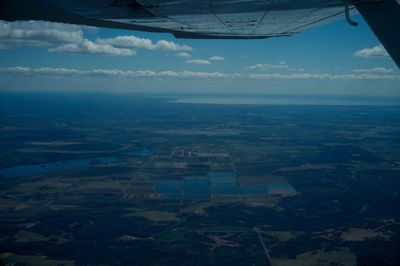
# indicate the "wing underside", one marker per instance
pixel 184 18
pixel 235 19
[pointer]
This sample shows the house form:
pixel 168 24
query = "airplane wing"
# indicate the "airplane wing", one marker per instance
pixel 213 19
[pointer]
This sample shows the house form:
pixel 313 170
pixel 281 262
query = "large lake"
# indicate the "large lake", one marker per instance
pixel 35 169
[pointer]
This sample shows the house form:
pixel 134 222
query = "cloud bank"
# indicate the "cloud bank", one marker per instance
pixel 88 47
pixel 132 42
pixel 116 73
pixel 34 33
pixel 67 38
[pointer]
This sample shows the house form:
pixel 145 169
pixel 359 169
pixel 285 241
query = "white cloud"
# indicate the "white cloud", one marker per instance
pixel 373 70
pixel 134 42
pixel 183 55
pixel 281 65
pixel 116 73
pixel 171 46
pixel 90 47
pixel 198 62
pixel 216 58
pixel 377 51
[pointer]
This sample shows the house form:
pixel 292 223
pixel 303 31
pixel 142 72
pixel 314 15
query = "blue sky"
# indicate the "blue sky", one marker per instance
pixel 332 59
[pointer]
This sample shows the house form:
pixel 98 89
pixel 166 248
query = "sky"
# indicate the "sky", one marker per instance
pixel 332 59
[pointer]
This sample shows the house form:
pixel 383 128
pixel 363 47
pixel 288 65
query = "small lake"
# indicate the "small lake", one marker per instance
pixel 144 152
pixel 222 177
pixel 196 185
pixel 195 188
pixel 224 189
pixel 190 188
pixel 198 196
pixel 253 190
pixel 169 189
pixel 280 188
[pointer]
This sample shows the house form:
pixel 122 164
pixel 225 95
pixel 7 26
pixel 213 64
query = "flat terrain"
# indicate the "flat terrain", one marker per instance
pixel 138 180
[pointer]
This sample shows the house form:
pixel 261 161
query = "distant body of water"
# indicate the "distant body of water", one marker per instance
pixel 287 100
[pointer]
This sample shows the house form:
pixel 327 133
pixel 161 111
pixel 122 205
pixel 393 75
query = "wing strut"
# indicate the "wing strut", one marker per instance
pixel 347 12
pixel 383 18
